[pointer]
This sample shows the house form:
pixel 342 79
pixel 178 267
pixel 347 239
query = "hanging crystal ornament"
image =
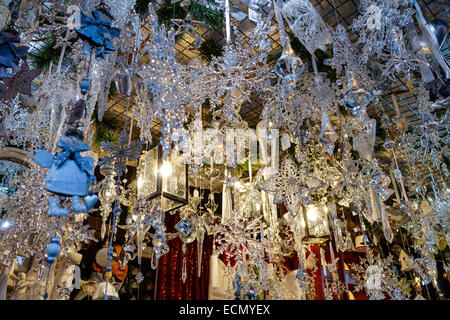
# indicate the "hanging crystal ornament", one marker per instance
pixel 380 182
pixel 377 276
pixel 379 23
pixel 200 239
pixel 389 144
pixel 188 25
pixel 236 237
pixel 426 269
pixel 307 24
pixel 139 278
pixel 356 98
pixel 349 246
pixel 159 241
pixel 285 186
pixel 327 134
pixel 378 207
pixel 362 241
pixel 184 271
pixel 289 66
pixel 336 225
pixel 364 142
pixel 302 276
pixel 164 78
pixel 429 34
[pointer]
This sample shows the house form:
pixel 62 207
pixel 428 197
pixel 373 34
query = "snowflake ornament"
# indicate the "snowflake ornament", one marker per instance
pixel 120 154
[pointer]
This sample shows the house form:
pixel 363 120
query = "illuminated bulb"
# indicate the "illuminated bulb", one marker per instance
pixel 6 224
pixel 134 217
pixel 312 213
pixel 139 182
pixel 166 169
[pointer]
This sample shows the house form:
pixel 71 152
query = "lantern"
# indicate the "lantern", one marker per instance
pixel 167 179
pixel 315 224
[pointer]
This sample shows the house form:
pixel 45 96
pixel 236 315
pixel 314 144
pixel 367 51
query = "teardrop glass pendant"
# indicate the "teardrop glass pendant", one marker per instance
pixel 184 272
pixel 103 230
pixel 154 262
pixel 200 238
pixel 327 134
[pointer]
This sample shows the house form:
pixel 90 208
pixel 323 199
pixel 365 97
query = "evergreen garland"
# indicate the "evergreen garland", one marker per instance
pixel 141 7
pixel 106 130
pixel 210 17
pixel 210 48
pixel 168 11
pixel 42 56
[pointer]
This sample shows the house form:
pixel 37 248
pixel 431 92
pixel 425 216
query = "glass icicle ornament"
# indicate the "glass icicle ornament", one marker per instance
pixel 160 246
pixel 364 142
pixel 289 66
pixel 164 78
pixel 356 98
pixel 380 182
pixel 327 134
pixel 307 24
pixel 184 271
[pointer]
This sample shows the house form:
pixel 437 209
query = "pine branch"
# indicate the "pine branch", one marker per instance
pixel 210 17
pixel 210 48
pixel 42 56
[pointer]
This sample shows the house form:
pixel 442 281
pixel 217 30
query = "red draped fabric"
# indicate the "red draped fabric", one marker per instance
pixel 169 283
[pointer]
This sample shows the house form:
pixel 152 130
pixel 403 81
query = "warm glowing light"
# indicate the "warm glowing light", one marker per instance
pixel 166 169
pixel 139 182
pixel 6 224
pixel 312 212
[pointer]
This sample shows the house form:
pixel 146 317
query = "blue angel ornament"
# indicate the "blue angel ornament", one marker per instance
pixel 70 174
pixel 10 55
pixel 97 32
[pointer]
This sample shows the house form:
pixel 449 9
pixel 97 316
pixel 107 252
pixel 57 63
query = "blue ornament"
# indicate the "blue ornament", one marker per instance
pixel 77 206
pixel 70 174
pixel 10 55
pixel 55 211
pixel 97 31
pixel 90 201
pixel 53 250
pixel 85 85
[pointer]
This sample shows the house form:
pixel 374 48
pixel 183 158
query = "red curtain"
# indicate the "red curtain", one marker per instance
pixel 169 283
